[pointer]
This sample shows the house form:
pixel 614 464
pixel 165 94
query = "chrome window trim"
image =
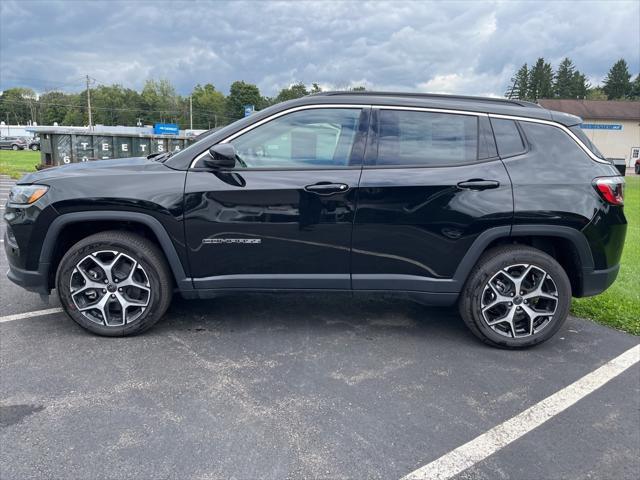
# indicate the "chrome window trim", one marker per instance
pixel 517 118
pixel 562 127
pixel 277 115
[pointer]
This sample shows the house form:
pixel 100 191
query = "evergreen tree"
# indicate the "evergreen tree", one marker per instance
pixel 541 80
pixel 635 88
pixel 563 86
pixel 579 86
pixel 617 83
pixel 521 83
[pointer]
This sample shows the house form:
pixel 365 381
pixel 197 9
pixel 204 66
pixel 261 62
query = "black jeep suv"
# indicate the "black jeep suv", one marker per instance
pixel 499 205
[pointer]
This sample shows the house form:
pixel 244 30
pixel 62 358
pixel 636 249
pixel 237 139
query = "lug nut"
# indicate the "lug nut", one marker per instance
pixel 106 281
pixel 104 290
pixel 113 295
pixel 522 292
pixel 510 304
pixel 119 289
pixel 116 280
pixel 513 294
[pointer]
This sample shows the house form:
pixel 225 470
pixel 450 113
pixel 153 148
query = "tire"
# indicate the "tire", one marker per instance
pixel 15 147
pixel 488 297
pixel 142 290
pixel 637 169
pixel 34 148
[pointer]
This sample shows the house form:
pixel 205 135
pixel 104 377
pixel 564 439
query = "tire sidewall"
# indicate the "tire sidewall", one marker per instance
pixel 80 251
pixel 494 265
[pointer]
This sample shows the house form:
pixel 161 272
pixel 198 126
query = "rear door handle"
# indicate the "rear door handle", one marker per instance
pixel 326 188
pixel 478 184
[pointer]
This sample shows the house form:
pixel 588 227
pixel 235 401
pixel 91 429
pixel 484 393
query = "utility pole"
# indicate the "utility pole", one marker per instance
pixel 89 104
pixel 190 112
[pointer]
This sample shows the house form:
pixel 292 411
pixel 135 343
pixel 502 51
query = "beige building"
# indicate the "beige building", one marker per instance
pixel 613 126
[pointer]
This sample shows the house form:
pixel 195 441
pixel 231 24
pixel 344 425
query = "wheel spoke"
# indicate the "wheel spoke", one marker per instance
pixel 132 294
pixel 525 306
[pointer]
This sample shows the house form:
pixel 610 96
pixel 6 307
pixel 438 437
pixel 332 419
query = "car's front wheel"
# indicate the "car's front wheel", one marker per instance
pixel 15 147
pixel 515 297
pixel 114 283
pixel 34 148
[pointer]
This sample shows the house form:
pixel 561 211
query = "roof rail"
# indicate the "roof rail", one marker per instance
pixel 520 103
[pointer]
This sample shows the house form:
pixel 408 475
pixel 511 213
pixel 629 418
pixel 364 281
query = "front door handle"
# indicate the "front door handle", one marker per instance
pixel 326 188
pixel 478 184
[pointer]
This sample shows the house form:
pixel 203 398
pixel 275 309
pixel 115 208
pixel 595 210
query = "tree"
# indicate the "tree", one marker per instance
pixel 241 94
pixel 541 80
pixel 617 83
pixel 315 88
pixel 208 106
pixel 18 106
pixel 563 85
pixel 161 102
pixel 635 88
pixel 53 107
pixel 296 90
pixel 596 93
pixel 579 85
pixel 520 84
pixel 358 88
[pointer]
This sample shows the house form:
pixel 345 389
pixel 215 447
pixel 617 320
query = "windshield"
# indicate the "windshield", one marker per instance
pixel 583 137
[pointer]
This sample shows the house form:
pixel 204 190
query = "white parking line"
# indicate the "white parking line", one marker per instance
pixel 37 313
pixel 498 437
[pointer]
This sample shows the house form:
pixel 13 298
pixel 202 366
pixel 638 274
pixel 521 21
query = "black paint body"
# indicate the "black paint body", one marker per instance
pixel 412 229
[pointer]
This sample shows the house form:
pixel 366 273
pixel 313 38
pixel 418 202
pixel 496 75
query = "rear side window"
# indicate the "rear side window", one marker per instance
pixel 412 138
pixel 577 131
pixel 508 137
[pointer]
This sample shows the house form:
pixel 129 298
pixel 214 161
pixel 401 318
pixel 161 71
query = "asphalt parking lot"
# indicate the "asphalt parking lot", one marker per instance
pixel 300 386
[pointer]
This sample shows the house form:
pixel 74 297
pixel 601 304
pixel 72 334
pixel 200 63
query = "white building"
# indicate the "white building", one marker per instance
pixel 612 125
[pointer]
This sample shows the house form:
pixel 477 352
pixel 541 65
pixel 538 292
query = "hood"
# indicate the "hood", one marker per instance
pixel 95 167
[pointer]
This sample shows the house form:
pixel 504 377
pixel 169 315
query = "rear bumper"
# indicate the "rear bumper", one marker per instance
pixel 597 281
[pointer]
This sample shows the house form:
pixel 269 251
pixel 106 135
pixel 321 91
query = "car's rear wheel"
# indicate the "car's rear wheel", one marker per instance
pixel 114 283
pixel 515 297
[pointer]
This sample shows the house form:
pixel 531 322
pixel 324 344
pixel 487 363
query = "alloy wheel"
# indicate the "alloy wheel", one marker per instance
pixel 110 288
pixel 519 301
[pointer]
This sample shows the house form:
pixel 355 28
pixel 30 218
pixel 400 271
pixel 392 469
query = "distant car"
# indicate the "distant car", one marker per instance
pixel 638 166
pixel 13 143
pixel 34 144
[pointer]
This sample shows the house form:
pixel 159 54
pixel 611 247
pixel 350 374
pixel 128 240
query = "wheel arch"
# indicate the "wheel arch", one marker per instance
pixel 567 245
pixel 95 221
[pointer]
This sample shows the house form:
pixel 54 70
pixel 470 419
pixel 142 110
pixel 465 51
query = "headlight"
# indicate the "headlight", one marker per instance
pixel 26 194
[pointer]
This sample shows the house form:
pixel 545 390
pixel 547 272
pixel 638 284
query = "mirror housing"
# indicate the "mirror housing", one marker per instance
pixel 222 155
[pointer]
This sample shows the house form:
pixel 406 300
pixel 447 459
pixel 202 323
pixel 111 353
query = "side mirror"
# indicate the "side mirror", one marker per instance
pixel 222 155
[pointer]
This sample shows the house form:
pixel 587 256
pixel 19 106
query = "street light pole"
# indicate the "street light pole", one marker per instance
pixel 190 112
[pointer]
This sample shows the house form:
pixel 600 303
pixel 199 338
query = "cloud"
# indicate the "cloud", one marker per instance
pixel 453 47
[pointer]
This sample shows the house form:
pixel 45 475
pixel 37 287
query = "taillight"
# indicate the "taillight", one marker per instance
pixel 611 189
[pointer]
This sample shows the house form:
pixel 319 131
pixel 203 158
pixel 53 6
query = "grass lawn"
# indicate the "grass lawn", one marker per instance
pixel 619 306
pixel 15 164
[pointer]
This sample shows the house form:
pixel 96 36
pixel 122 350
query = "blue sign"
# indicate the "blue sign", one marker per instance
pixel 601 126
pixel 166 129
pixel 248 110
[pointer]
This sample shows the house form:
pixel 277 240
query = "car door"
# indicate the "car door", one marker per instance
pixel 282 218
pixel 432 183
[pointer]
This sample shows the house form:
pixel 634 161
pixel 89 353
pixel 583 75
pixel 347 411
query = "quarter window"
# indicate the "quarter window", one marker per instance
pixel 508 137
pixel 426 138
pixel 314 138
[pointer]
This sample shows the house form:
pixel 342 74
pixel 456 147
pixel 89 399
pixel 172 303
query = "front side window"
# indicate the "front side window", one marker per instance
pixel 413 138
pixel 314 138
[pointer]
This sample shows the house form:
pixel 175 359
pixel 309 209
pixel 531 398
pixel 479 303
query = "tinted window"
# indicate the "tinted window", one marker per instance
pixel 508 137
pixel 425 138
pixel 577 130
pixel 306 139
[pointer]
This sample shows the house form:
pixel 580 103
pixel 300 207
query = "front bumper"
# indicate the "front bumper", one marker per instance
pixel 34 281
pixel 597 281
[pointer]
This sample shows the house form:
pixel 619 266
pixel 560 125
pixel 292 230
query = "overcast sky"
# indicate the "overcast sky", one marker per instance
pixel 451 47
